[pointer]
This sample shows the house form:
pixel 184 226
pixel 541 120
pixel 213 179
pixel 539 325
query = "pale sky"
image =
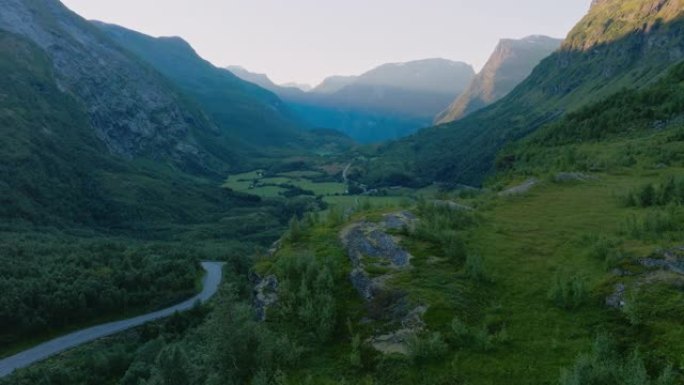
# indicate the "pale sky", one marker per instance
pixel 306 40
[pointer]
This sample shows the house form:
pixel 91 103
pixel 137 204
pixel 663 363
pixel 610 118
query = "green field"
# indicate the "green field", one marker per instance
pixel 276 185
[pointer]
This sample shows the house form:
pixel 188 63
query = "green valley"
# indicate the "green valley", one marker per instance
pixel 534 238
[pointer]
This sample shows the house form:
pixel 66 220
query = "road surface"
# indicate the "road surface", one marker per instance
pixel 345 171
pixel 40 352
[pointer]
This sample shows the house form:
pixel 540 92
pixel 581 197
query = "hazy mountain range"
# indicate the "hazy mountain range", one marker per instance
pixel 387 102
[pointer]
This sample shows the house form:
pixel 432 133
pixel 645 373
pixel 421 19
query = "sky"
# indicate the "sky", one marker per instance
pixel 305 41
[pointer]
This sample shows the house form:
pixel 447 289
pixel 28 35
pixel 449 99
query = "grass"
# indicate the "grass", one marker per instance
pixel 273 186
pixel 526 242
pixel 514 333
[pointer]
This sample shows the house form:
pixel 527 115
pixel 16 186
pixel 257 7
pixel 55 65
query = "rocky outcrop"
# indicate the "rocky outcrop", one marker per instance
pixel 671 260
pixel 265 294
pixel 371 248
pixel 564 177
pixel 663 266
pixel 397 341
pixel 520 189
pixel 617 298
pixel 376 256
pixel 131 107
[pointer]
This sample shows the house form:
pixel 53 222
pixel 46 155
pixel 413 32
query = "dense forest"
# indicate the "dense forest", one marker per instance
pixel 50 282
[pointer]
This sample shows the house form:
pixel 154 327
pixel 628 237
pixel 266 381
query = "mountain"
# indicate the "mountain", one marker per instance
pixel 417 88
pixel 285 92
pixel 511 62
pixel 387 102
pixel 618 44
pixel 132 109
pixel 300 86
pixel 261 80
pixel 242 110
pixel 333 84
pixel 93 136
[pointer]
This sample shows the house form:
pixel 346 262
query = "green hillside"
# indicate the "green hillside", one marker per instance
pixel 565 266
pixel 79 222
pixel 574 279
pixel 588 68
pixel 250 119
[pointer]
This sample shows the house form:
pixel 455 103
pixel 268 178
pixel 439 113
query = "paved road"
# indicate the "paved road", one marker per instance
pixel 345 171
pixel 211 283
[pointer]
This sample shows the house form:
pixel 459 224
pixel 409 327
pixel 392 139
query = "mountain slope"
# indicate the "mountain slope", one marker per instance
pixel 511 62
pixel 416 88
pixel 93 138
pixel 132 109
pixel 241 110
pixel 333 84
pixel 593 63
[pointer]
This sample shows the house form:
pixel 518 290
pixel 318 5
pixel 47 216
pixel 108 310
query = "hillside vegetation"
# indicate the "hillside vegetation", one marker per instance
pixel 465 151
pixel 79 201
pixel 565 267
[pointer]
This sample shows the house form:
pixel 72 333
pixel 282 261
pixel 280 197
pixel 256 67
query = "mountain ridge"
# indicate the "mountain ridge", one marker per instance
pixel 465 151
pixel 510 63
pixel 387 102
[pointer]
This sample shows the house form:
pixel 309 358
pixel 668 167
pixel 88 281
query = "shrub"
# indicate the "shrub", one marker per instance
pixel 475 269
pixel 454 249
pixel 425 348
pixel 477 338
pixel 568 292
pixel 604 365
pixel 654 225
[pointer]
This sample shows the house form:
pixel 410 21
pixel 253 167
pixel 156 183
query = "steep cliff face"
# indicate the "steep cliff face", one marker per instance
pixel 245 113
pixel 511 62
pixel 132 109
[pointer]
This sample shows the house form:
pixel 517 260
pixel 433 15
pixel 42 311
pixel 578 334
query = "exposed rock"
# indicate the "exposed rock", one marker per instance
pixel 397 342
pixel 617 298
pixel 400 220
pixel 673 260
pixel 393 343
pixel 511 62
pixel 668 268
pixel 452 205
pixel 369 245
pixel 370 250
pixel 563 177
pixel 275 247
pixel 520 189
pixel 265 294
pixel 131 107
pixel 363 283
pixel 368 241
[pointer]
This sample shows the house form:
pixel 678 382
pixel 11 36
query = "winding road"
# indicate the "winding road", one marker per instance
pixel 345 171
pixel 40 352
